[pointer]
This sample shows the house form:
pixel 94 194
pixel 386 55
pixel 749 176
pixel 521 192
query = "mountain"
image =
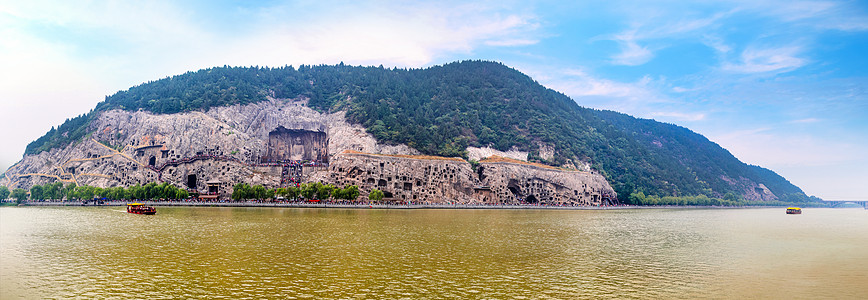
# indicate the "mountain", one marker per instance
pixel 458 108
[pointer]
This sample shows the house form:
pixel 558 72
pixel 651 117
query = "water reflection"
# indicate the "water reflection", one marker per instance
pixel 241 253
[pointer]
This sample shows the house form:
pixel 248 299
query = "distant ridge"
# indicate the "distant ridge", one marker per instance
pixel 442 110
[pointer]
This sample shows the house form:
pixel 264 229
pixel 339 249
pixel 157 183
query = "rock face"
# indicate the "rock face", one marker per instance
pixel 512 181
pixel 497 180
pixel 421 179
pixel 264 143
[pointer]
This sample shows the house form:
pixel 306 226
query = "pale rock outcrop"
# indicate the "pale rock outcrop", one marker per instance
pixel 423 179
pixel 477 154
pixel 249 143
pixel 513 182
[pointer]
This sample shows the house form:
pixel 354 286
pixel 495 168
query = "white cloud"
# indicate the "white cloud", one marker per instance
pixel 511 42
pixel 647 30
pixel 578 83
pixel 781 147
pixel 774 59
pixel 631 53
pixel 827 167
pixel 642 98
pixel 822 15
pixel 805 121
pixel 679 116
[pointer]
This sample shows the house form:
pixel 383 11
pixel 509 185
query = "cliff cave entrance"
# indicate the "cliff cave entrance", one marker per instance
pixel 152 161
pixel 531 199
pixel 514 188
pixel 191 181
pixel 296 144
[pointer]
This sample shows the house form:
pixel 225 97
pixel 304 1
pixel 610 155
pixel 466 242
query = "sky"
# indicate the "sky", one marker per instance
pixel 780 84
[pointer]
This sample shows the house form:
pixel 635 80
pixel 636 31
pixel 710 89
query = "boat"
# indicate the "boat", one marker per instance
pixel 794 211
pixel 138 208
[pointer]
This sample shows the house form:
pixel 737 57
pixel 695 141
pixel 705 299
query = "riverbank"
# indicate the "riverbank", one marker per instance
pixel 368 206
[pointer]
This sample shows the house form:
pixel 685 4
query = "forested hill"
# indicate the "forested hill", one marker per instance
pixel 443 109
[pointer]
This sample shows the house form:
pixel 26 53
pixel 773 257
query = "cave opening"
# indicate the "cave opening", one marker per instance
pixel 514 188
pixel 191 181
pixel 531 199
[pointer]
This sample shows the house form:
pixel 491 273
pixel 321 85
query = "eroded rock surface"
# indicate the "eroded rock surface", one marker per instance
pixel 253 144
pixel 518 182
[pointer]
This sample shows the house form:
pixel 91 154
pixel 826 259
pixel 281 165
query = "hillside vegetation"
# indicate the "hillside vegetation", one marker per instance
pixel 443 109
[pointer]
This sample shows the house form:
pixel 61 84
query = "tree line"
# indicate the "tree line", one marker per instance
pixel 306 191
pixel 730 199
pixel 154 191
pixel 59 191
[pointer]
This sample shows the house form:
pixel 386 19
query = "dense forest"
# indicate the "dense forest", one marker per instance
pixel 443 109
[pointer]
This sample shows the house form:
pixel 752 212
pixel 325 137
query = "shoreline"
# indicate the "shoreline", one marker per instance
pixel 375 206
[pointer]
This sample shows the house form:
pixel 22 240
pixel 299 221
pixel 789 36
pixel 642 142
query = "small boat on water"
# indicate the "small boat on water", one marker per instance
pixel 794 211
pixel 138 208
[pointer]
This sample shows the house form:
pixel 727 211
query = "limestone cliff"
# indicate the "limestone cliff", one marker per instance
pixel 265 143
pixel 224 143
pixel 497 180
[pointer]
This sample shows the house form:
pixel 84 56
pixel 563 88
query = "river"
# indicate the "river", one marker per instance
pixel 254 253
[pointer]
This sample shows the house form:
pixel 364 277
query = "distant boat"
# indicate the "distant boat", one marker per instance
pixel 138 208
pixel 794 211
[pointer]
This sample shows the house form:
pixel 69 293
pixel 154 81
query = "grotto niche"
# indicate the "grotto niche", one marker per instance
pixel 296 144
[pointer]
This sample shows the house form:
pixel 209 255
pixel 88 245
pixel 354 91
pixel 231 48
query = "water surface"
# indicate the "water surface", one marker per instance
pixel 241 253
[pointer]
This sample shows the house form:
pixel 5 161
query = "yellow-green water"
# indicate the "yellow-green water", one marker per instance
pixel 238 253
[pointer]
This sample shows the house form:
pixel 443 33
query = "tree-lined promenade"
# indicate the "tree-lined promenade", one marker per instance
pixel 167 192
pixel 316 193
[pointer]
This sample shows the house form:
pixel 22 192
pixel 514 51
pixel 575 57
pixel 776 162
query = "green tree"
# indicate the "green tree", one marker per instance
pixel 19 195
pixel 338 193
pixel 4 192
pixel 84 192
pixel 308 190
pixel 53 190
pixel 375 195
pixel 69 191
pixel 151 191
pixel 350 192
pixel 36 192
pixel 137 192
pixel 323 192
pixel 258 192
pixel 637 198
pixel 292 192
pixel 240 191
pixel 181 194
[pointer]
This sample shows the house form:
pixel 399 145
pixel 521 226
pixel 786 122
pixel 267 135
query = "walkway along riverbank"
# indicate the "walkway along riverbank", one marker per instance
pixel 365 206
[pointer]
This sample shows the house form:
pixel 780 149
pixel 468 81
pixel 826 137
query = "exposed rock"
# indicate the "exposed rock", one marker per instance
pixel 751 190
pixel 546 151
pixel 477 154
pixel 436 180
pixel 424 179
pixel 514 181
pixel 223 137
pixel 252 144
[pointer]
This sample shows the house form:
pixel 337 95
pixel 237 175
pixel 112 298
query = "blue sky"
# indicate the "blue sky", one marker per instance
pixel 781 84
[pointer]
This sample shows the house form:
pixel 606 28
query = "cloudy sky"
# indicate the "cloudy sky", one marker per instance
pixel 781 84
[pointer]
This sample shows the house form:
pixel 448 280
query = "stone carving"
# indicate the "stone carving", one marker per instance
pixel 497 180
pixel 513 181
pixel 213 150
